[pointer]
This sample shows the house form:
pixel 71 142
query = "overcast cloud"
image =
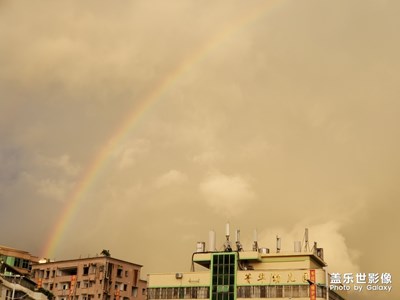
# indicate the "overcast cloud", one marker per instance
pixel 281 115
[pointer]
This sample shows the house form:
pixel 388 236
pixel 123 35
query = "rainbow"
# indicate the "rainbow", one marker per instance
pixel 89 176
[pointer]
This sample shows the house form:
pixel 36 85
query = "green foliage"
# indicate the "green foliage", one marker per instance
pixel 105 253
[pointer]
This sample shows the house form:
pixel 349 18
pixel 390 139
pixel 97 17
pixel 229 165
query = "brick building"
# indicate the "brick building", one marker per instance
pixel 95 278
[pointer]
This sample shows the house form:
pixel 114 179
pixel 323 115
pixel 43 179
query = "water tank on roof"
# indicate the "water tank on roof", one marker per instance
pixel 201 247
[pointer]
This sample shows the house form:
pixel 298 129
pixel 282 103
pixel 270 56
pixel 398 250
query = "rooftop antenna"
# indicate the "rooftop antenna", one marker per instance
pixel 211 241
pixel 297 246
pixel 315 247
pixel 278 244
pixel 238 244
pixel 306 244
pixel 228 247
pixel 255 241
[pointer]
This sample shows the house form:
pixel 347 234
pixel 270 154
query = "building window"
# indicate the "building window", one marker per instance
pixel 303 291
pixel 277 291
pixel 321 292
pixel 119 272
pixel 17 262
pixel 134 291
pixel 201 292
pixel 243 292
pixel 135 277
pixel 93 268
pixel 25 264
pixel 223 276
pixel 85 270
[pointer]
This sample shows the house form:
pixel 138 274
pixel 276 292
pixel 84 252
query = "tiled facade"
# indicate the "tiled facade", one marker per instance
pixel 96 278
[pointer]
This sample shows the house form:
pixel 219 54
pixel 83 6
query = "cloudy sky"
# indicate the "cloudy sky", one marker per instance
pixel 157 121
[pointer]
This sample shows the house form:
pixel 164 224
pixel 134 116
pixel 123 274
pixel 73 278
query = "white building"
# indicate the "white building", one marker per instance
pixel 234 274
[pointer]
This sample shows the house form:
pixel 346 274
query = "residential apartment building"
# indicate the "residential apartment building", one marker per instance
pixel 94 278
pixel 15 287
pixel 15 267
pixel 16 261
